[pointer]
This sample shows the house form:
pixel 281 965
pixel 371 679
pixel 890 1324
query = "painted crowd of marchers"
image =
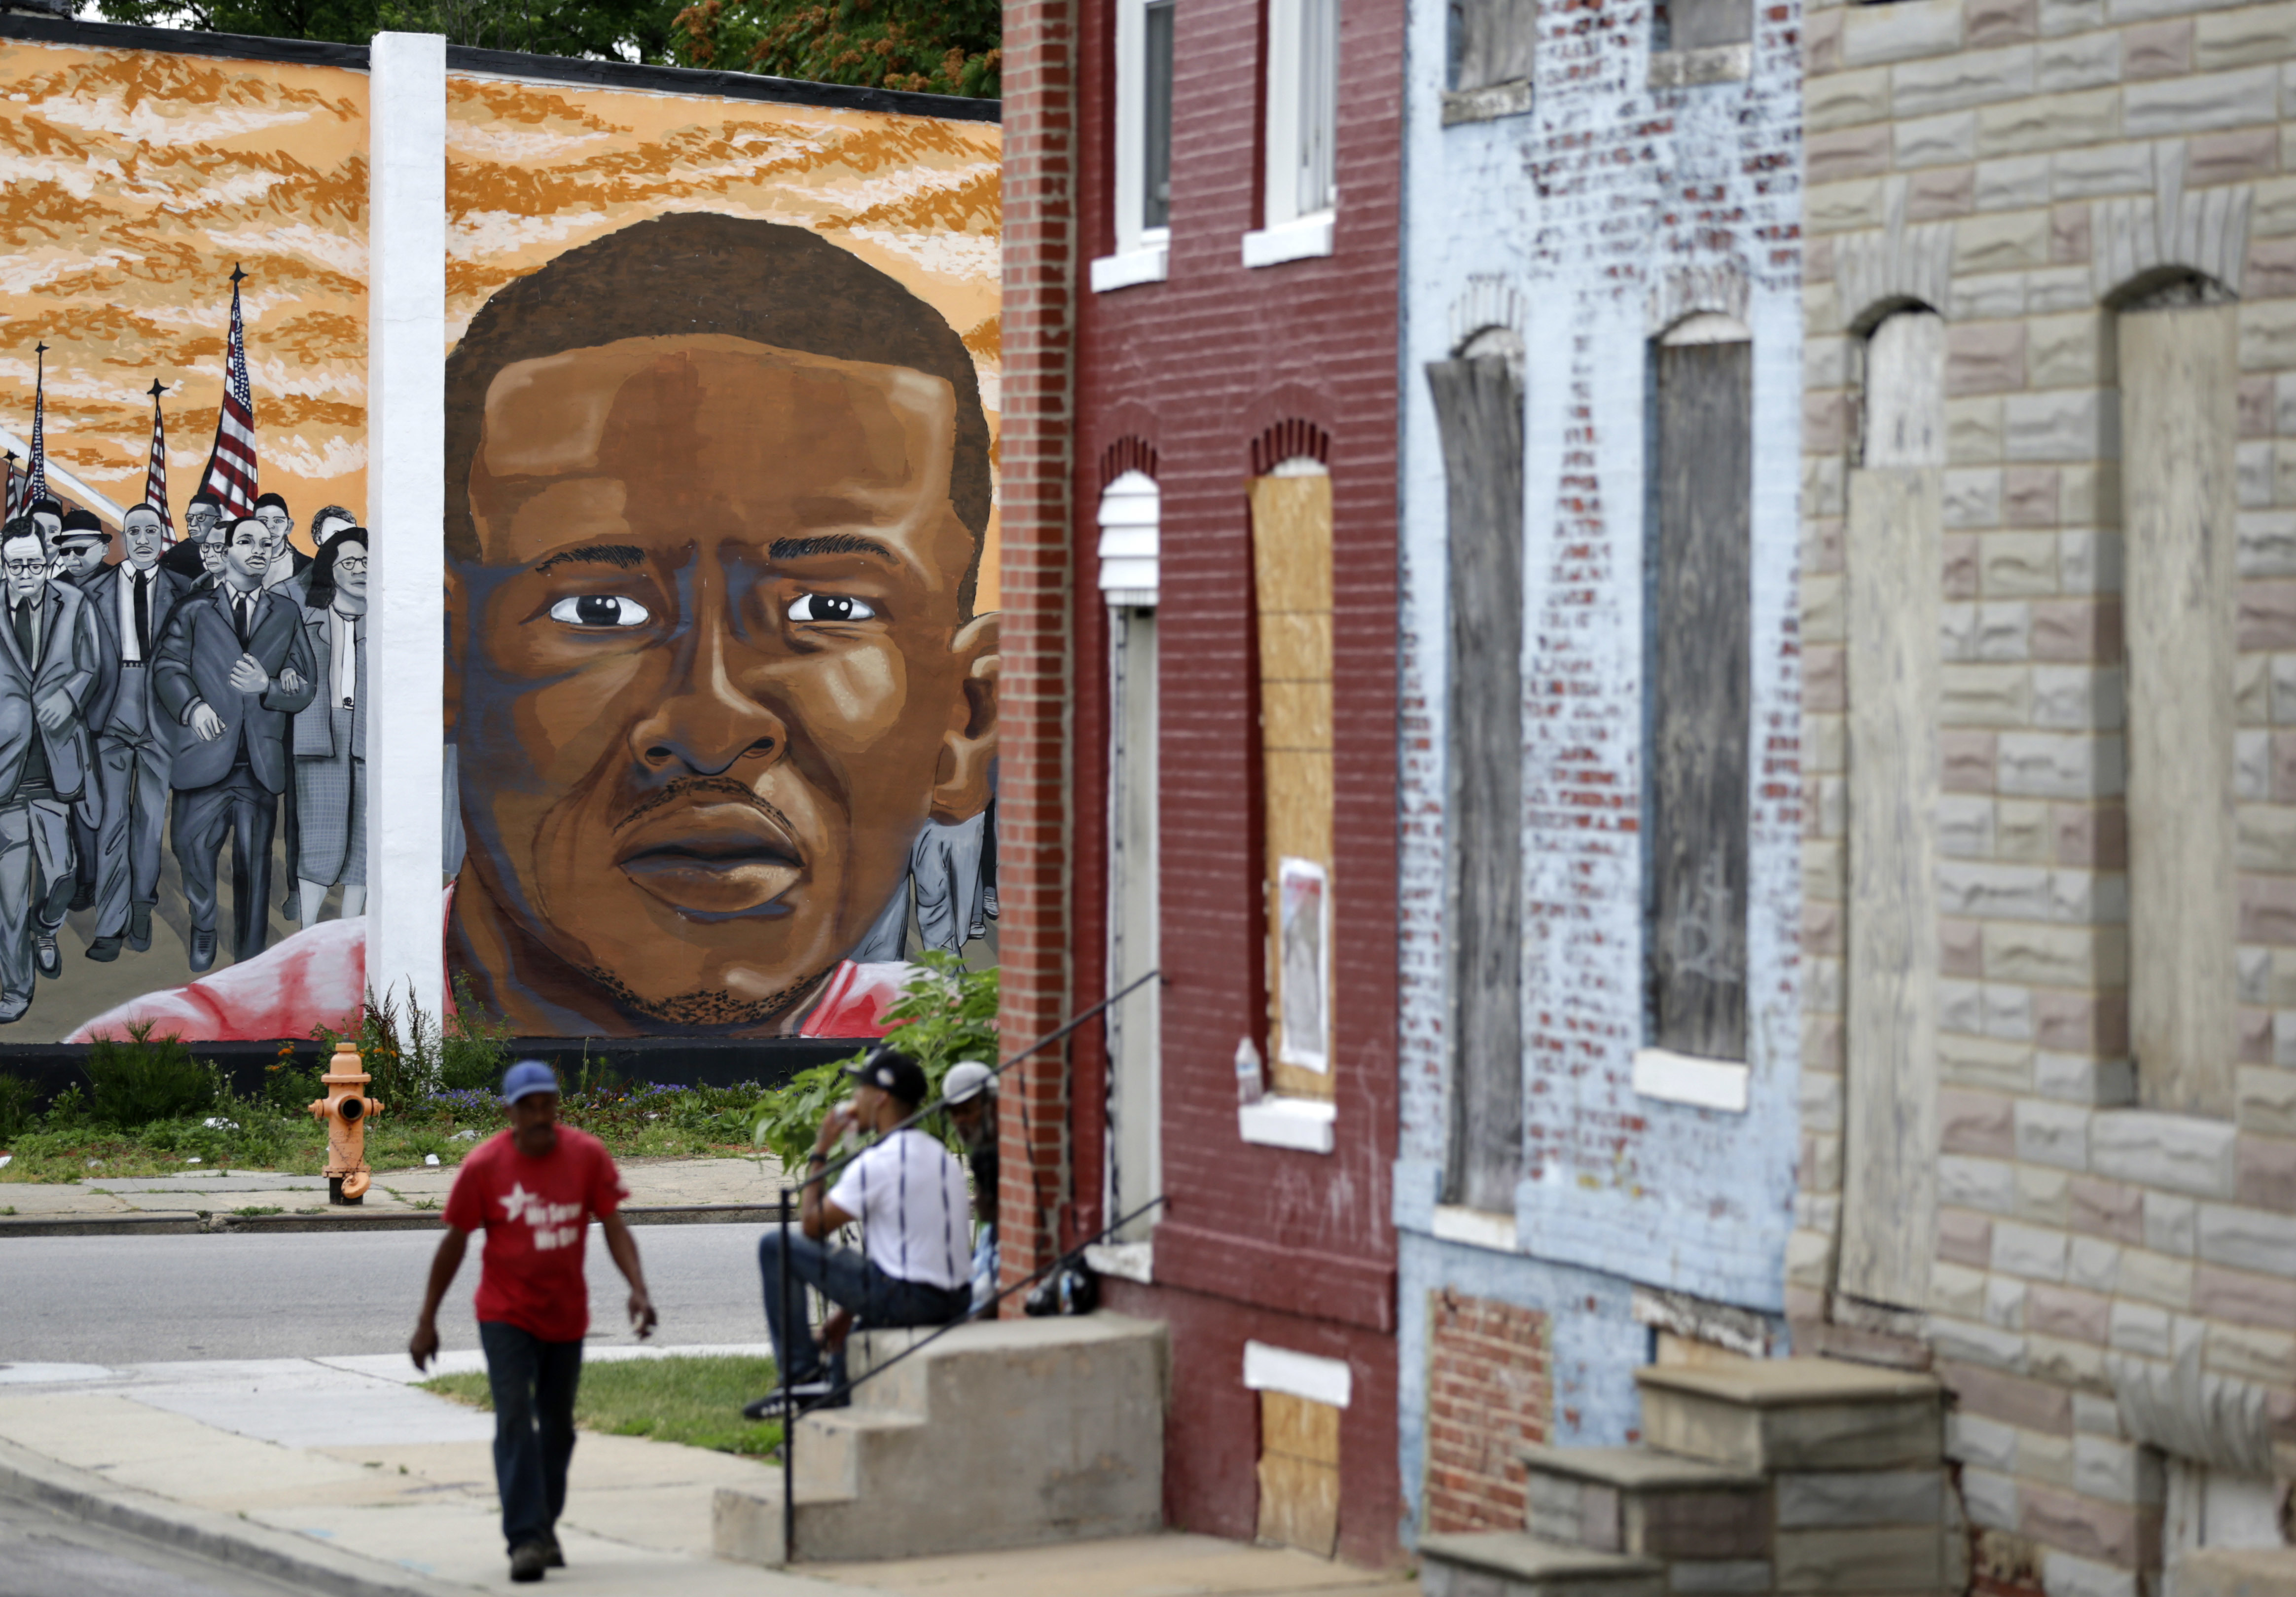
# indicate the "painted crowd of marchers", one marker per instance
pixel 698 785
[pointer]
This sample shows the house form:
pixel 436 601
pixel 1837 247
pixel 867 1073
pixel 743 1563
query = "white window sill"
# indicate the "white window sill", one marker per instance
pixel 1303 240
pixel 1687 68
pixel 1487 103
pixel 1475 1228
pixel 1268 1368
pixel 1702 1083
pixel 1128 268
pixel 1305 1123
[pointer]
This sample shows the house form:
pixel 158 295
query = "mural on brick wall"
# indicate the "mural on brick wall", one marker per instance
pixel 720 538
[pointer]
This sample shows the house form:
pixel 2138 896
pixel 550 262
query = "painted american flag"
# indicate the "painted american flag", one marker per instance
pixel 230 474
pixel 155 475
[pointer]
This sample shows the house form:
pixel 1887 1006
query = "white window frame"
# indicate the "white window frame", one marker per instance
pixel 1290 230
pixel 1143 254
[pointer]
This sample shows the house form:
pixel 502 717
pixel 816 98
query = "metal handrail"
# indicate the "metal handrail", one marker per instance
pixel 792 1411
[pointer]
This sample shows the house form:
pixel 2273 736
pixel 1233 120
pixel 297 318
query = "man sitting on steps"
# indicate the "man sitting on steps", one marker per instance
pixel 909 1195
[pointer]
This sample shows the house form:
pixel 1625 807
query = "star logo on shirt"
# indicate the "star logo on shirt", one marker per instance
pixel 516 1201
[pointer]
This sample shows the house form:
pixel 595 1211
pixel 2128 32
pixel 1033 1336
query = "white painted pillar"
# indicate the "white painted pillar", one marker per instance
pixel 406 472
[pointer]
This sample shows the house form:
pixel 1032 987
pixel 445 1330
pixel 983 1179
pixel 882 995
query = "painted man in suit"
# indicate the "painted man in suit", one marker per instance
pixel 232 671
pixel 47 673
pixel 134 742
pixel 81 547
pixel 199 557
pixel 288 563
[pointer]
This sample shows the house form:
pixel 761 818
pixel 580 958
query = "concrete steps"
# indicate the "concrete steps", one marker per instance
pixel 1506 1563
pixel 2231 1572
pixel 1647 1504
pixel 1774 1414
pixel 1806 1476
pixel 1006 1433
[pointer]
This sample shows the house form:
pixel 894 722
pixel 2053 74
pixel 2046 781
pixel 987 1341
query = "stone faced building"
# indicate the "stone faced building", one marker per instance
pixel 2049 589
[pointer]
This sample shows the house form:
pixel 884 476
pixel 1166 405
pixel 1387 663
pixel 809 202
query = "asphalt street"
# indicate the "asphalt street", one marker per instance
pixel 120 1300
pixel 44 1554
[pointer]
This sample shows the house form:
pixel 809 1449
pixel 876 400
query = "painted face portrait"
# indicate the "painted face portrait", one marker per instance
pixel 24 559
pixel 144 537
pixel 701 709
pixel 247 555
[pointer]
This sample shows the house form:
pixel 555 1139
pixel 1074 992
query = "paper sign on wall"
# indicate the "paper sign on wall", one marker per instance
pixel 1304 911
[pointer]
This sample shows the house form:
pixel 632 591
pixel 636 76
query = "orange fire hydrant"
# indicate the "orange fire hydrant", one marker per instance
pixel 346 1110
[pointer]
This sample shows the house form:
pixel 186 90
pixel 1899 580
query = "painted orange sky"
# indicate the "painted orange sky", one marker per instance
pixel 535 169
pixel 131 183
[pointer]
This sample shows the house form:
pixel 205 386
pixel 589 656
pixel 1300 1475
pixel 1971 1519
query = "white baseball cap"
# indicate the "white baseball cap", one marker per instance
pixel 967 1079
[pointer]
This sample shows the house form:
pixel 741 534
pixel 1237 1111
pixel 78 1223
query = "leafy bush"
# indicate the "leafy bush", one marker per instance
pixel 15 1107
pixel 134 1082
pixel 66 1110
pixel 946 1013
pixel 410 1055
pixel 473 1046
pixel 290 1088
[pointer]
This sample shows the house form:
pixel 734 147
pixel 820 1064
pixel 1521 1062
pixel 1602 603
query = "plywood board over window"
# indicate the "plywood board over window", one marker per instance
pixel 1479 405
pixel 2179 379
pixel 1894 556
pixel 1701 562
pixel 1292 570
pixel 1298 1473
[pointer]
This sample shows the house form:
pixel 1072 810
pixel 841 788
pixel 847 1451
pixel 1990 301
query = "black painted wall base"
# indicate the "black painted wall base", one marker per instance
pixel 678 1061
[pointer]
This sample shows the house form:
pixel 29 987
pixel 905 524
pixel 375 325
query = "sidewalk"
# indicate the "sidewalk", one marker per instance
pixel 661 1189
pixel 335 1474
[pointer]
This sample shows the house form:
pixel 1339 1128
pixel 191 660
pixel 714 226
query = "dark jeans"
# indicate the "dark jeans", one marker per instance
pixel 533 1383
pixel 845 1277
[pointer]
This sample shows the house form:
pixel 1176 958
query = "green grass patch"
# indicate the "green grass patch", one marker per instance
pixel 691 1399
pixel 256 1211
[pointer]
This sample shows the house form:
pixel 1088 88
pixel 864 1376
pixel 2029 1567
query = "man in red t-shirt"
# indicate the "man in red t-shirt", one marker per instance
pixel 534 1189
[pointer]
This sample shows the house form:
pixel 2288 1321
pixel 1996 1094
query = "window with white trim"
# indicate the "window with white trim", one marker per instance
pixel 1303 60
pixel 1144 122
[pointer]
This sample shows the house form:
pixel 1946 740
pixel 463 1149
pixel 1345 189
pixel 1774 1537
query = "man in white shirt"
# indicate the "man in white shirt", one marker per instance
pixel 909 1195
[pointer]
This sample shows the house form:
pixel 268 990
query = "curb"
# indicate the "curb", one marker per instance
pixel 205 1222
pixel 216 1536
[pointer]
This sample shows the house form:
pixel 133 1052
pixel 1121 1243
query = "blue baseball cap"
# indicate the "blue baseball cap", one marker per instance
pixel 528 1075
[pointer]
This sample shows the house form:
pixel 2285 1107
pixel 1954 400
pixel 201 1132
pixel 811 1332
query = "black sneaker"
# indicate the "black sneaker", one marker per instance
pixel 551 1557
pixel 805 1395
pixel 528 1562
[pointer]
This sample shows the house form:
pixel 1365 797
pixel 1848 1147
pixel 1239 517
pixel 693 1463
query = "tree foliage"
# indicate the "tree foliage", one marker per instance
pixel 946 1013
pixel 926 46
pixel 630 30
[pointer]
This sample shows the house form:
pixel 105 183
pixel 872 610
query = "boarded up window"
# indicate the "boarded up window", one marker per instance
pixel 1298 1473
pixel 1699 557
pixel 1292 570
pixel 1701 24
pixel 2179 378
pixel 1492 41
pixel 1894 562
pixel 1479 406
pixel 1135 1099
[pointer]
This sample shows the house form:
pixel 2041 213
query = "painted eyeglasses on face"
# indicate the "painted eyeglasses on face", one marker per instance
pixel 30 567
